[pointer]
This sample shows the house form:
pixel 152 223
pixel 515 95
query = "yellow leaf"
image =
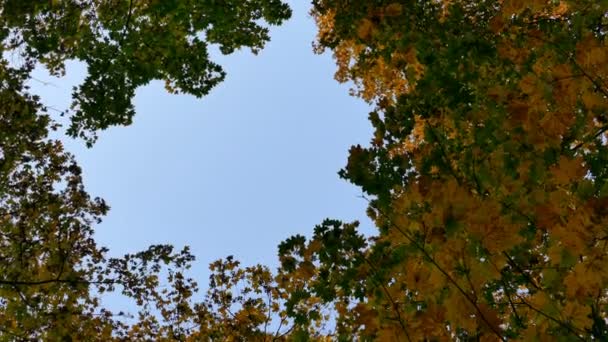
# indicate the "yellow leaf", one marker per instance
pixel 578 314
pixel 365 29
pixel 561 71
pixel 528 84
pixel 555 254
pixel 592 100
pixel 567 170
pixel 539 300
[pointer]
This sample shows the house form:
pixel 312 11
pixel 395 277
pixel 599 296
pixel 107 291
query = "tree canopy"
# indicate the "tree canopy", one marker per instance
pixel 53 271
pixel 128 43
pixel 486 176
pixel 487 169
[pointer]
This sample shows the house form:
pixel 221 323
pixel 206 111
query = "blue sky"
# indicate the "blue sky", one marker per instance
pixel 233 173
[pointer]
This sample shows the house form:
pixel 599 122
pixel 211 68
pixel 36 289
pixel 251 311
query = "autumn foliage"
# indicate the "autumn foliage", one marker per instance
pixel 486 176
pixel 487 170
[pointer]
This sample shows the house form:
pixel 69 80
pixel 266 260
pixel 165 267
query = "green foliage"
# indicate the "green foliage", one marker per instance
pixel 126 44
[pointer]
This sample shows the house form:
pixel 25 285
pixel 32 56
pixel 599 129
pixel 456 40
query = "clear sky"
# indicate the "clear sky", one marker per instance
pixel 233 173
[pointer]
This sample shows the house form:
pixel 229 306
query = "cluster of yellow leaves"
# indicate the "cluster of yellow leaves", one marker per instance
pixel 374 77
